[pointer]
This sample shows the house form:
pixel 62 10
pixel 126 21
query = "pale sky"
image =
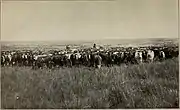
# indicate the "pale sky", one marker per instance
pixel 88 20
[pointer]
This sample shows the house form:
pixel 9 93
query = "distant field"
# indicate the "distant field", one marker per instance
pixel 154 85
pixel 47 45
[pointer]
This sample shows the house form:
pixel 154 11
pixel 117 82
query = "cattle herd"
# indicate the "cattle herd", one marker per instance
pixel 90 57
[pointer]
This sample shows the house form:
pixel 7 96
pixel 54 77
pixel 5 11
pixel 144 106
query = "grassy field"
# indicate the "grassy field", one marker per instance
pixel 154 85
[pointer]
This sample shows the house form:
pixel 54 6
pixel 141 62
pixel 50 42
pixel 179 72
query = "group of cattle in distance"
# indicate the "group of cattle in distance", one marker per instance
pixel 87 57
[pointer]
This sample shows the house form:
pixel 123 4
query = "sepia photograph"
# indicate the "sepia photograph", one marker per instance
pixel 89 54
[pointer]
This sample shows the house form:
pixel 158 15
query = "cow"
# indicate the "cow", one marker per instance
pixel 57 60
pixel 84 59
pixel 25 59
pixel 2 60
pixel 98 61
pixel 150 56
pixel 121 54
pixel 42 61
pixel 67 60
pixel 161 55
pixel 15 59
pixel 30 59
pixel 75 58
pixel 156 53
pixel 138 57
pixel 104 58
pixel 129 57
pixel 8 59
pixel 116 58
pixel 107 59
pixel 144 56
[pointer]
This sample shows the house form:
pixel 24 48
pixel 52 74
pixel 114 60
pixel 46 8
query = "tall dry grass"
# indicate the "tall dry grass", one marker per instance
pixel 154 85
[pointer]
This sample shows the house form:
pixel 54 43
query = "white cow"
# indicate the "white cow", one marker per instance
pixel 78 56
pixel 35 57
pixel 50 54
pixel 68 56
pixel 138 56
pixel 150 55
pixel 115 53
pixel 122 55
pixel 39 56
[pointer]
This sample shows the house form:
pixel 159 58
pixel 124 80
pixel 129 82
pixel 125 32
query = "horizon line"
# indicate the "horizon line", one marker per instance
pixel 87 39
